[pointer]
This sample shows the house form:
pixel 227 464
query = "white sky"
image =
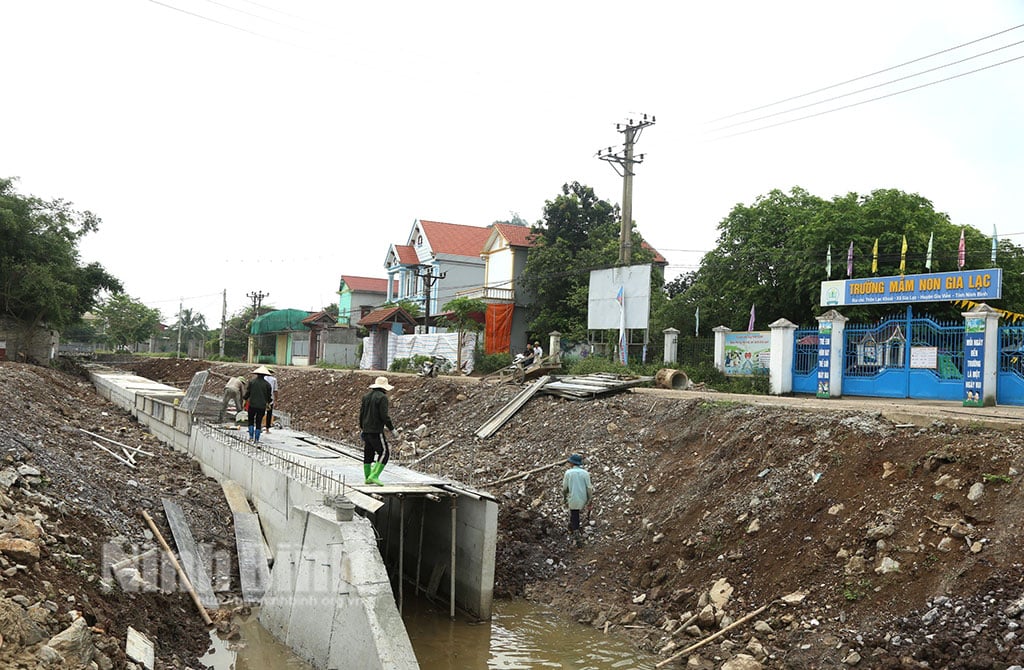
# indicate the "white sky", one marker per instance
pixel 274 146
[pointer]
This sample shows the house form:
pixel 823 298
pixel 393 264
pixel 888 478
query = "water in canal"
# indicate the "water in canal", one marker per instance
pixel 520 636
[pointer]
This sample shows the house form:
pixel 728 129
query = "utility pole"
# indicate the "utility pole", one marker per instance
pixel 223 321
pixel 429 279
pixel 177 353
pixel 257 302
pixel 622 162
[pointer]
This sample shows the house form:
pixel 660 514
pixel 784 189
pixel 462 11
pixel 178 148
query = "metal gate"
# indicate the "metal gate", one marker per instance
pixel 905 357
pixel 1010 381
pixel 805 360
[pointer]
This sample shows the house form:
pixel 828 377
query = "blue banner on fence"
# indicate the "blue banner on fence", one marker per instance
pixel 935 287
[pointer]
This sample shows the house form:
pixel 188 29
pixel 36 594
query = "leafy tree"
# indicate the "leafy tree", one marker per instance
pixel 41 279
pixel 578 233
pixel 332 309
pixel 125 321
pixel 462 314
pixel 192 326
pixel 772 254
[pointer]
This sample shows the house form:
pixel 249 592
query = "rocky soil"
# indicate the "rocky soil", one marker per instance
pixel 852 541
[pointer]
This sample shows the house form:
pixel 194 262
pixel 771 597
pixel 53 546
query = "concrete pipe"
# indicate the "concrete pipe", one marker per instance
pixel 667 378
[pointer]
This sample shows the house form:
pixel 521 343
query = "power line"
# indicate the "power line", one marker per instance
pixel 864 102
pixel 868 88
pixel 865 76
pixel 228 25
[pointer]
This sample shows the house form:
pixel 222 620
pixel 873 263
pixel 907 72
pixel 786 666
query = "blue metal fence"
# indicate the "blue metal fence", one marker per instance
pixel 1010 381
pixel 805 360
pixel 904 357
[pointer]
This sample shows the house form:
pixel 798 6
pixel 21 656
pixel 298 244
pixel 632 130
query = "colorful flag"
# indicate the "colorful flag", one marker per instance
pixel 696 318
pixel 750 326
pixel 995 242
pixel 874 258
pixel 849 261
pixel 928 258
pixel 903 256
pixel 961 252
pixel 828 262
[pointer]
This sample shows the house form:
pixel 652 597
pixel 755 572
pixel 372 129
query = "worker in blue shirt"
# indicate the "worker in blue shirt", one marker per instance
pixel 577 494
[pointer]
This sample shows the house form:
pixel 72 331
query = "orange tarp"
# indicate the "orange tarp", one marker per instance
pixel 498 329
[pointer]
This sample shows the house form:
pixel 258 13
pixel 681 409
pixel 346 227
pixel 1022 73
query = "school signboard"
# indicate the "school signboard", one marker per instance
pixel 976 285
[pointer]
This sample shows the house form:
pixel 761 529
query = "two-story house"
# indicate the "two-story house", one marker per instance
pixel 504 254
pixel 358 296
pixel 437 262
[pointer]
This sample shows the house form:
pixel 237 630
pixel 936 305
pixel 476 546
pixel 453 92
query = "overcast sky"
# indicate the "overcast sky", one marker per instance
pixel 274 146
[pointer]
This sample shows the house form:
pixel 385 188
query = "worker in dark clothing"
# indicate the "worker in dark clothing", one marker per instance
pixel 259 394
pixel 373 419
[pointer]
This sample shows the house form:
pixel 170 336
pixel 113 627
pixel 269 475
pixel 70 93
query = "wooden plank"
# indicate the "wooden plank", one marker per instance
pixel 253 570
pixel 237 499
pixel 363 501
pixel 492 425
pixel 397 487
pixel 191 562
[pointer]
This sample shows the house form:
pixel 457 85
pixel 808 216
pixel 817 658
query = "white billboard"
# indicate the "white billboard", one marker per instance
pixel 615 290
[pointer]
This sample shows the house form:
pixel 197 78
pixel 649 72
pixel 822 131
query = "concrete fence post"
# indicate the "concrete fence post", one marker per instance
pixel 981 356
pixel 671 354
pixel 720 333
pixel 831 345
pixel 780 361
pixel 555 347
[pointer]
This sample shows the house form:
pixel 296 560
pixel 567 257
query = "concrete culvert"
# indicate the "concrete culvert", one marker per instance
pixel 667 378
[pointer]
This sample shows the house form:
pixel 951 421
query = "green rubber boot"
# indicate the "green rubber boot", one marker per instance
pixel 377 469
pixel 367 473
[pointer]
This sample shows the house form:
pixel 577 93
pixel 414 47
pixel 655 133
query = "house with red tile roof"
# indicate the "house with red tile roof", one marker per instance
pixel 437 261
pixel 358 296
pixel 504 255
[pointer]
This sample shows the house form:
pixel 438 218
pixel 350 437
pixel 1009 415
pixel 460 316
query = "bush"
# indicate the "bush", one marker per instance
pixel 488 363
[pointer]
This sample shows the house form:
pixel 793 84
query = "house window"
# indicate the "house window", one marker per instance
pixel 419 240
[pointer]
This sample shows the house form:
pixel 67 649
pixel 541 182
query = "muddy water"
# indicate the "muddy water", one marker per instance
pixel 520 636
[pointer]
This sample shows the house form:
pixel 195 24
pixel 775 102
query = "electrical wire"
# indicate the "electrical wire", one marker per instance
pixel 864 102
pixel 865 76
pixel 868 88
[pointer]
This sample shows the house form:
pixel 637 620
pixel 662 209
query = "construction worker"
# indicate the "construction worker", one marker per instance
pixel 272 380
pixel 577 493
pixel 259 395
pixel 234 390
pixel 373 419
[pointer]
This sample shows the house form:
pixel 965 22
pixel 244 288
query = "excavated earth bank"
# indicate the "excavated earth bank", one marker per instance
pixel 867 544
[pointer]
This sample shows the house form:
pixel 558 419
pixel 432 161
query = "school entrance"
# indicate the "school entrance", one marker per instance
pixel 908 355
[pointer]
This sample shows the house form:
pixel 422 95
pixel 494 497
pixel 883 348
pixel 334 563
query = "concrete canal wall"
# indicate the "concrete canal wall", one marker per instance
pixel 329 597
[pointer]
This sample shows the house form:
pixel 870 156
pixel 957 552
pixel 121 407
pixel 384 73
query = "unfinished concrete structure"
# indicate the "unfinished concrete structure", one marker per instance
pixel 437 537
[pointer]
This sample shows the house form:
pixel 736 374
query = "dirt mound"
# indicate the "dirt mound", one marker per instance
pixel 871 544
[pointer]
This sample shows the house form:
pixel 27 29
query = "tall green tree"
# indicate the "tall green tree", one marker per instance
pixel 42 281
pixel 191 325
pixel 125 321
pixel 578 233
pixel 773 254
pixel 464 315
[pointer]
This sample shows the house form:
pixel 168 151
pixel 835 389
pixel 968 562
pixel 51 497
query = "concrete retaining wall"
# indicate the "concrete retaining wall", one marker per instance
pixel 329 599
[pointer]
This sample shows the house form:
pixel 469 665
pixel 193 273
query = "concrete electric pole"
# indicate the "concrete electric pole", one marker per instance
pixel 623 161
pixel 429 279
